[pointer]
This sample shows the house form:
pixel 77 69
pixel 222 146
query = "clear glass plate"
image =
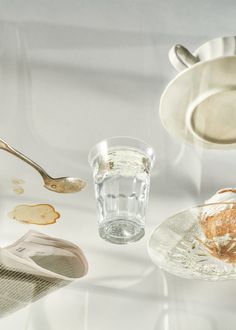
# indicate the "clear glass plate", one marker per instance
pixel 198 243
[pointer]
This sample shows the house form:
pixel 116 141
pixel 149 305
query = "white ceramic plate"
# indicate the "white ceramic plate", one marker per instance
pixel 198 106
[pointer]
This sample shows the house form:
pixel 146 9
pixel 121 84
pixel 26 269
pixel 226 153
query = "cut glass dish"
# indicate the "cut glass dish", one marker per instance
pixel 198 243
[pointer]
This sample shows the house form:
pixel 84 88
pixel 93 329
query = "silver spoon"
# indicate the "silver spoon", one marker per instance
pixel 60 185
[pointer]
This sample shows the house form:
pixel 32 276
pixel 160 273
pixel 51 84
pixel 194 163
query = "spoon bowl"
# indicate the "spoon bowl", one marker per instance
pixel 64 184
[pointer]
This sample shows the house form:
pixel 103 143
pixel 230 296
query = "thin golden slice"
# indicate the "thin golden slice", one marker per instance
pixel 219 224
pixel 225 251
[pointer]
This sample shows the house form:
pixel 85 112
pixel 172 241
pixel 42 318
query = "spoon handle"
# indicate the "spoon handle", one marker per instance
pixel 5 146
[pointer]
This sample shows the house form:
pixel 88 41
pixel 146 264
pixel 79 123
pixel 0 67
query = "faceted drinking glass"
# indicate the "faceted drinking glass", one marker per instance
pixel 121 169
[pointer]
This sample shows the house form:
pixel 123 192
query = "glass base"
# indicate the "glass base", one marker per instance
pixel 121 231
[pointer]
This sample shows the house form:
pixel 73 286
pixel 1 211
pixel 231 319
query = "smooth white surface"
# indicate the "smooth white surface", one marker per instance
pixel 73 73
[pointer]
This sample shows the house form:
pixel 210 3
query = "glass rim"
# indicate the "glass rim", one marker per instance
pixel 121 142
pixel 207 204
pixel 200 206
